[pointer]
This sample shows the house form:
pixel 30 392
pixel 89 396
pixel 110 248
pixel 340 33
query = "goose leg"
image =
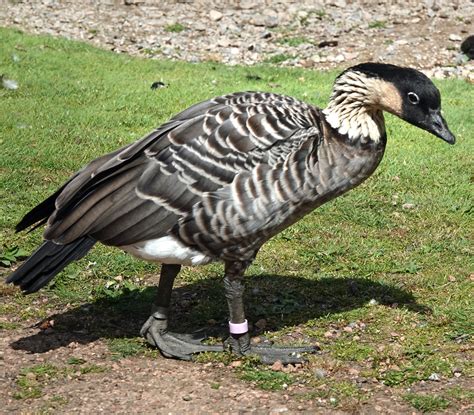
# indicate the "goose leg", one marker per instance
pixel 239 339
pixel 155 329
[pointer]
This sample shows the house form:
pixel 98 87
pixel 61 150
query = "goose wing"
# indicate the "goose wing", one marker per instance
pixel 143 190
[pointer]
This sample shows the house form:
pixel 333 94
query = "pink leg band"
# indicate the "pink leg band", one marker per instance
pixel 239 328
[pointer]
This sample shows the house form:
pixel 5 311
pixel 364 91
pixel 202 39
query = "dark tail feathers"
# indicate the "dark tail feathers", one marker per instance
pixel 47 261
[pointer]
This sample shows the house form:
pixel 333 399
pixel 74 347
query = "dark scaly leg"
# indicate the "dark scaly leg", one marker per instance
pixel 239 339
pixel 155 329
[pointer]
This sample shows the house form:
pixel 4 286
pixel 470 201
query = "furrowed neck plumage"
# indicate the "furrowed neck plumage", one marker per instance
pixel 356 104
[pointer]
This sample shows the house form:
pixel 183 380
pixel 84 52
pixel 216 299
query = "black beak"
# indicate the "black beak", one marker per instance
pixel 437 125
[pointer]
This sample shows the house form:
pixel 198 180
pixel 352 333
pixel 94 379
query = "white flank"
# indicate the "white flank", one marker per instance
pixel 167 250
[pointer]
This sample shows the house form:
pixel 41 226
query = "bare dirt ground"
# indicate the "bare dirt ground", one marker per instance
pixel 64 360
pixel 79 372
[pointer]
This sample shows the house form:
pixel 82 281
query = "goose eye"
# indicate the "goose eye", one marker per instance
pixel 413 98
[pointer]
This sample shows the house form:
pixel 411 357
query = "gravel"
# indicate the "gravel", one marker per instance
pixel 313 34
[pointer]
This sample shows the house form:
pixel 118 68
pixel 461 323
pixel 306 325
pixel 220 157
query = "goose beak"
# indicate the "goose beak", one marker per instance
pixel 437 125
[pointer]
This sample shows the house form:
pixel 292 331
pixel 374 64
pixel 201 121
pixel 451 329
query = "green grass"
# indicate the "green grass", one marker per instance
pixel 31 381
pixel 175 28
pixel 278 58
pixel 125 347
pixel 76 102
pixel 426 403
pixel 377 24
pixel 263 377
pixel 294 41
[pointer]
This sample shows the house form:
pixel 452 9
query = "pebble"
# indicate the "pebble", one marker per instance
pixel 277 366
pixel 455 38
pixel 435 377
pixel 215 15
pixel 9 83
pixel 319 373
pixel 236 363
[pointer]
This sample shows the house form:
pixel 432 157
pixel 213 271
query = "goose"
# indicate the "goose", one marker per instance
pixel 219 180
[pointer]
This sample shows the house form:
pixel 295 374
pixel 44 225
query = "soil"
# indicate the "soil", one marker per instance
pixel 83 373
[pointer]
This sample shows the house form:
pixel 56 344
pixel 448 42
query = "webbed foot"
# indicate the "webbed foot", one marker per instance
pixel 240 344
pixel 176 345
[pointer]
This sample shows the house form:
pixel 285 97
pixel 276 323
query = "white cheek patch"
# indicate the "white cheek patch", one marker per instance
pixel 167 250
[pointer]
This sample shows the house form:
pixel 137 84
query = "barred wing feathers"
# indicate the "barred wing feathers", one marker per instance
pixel 213 175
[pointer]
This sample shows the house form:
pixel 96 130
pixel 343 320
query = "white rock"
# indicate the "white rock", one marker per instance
pixel 434 377
pixel 9 83
pixel 215 15
pixel 455 38
pixel 408 206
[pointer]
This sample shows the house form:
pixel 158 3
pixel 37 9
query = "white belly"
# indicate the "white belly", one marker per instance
pixel 167 250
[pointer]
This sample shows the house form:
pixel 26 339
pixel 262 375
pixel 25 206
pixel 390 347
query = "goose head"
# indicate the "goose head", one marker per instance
pixel 362 92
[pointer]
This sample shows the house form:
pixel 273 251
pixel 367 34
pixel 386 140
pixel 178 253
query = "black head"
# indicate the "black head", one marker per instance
pixel 419 99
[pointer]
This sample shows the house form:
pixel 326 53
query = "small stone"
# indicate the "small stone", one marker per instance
pixel 30 376
pixel 319 373
pixel 256 340
pixel 434 377
pixel 277 366
pixel 187 398
pixel 307 63
pixel 236 363
pixel 408 206
pixel 452 278
pixel 351 56
pixel 9 83
pixel 215 15
pixel 200 27
pixel 289 368
pixel 454 38
pixel 278 410
pixel 373 302
pixel 401 42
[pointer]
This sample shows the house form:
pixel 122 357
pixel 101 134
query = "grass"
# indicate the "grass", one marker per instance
pixel 263 377
pixel 294 41
pixel 121 348
pixel 426 403
pixel 383 289
pixel 175 28
pixel 377 24
pixel 278 58
pixel 31 381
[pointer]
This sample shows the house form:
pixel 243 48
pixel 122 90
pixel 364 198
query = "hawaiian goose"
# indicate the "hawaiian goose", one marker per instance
pixel 220 179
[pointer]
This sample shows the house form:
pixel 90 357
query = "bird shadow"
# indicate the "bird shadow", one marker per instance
pixel 281 300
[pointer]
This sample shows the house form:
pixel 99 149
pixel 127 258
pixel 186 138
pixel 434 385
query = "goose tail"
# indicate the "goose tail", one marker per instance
pixel 47 261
